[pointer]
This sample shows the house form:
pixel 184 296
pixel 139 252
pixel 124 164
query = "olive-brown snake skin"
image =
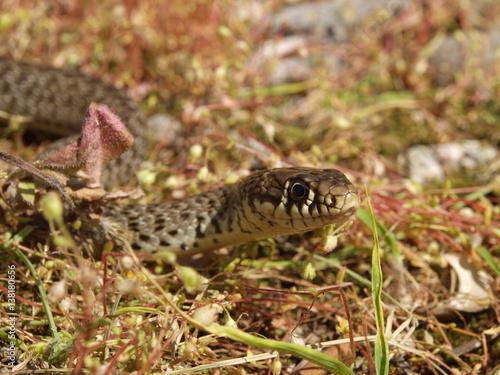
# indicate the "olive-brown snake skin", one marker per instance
pixel 265 204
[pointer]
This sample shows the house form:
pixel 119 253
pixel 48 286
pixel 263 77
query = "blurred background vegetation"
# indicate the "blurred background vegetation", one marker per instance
pixel 249 84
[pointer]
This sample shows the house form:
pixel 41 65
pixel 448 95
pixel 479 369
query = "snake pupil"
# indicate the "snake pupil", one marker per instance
pixel 299 190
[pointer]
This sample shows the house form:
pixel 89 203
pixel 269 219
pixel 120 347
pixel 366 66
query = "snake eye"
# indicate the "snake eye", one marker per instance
pixel 298 190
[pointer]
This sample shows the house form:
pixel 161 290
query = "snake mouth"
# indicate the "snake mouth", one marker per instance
pixel 334 207
pixel 351 204
pixel 312 213
pixel 342 209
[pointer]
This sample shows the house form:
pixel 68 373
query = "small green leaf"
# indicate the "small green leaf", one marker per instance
pixel 27 191
pixel 381 345
pixel 481 250
pixel 321 359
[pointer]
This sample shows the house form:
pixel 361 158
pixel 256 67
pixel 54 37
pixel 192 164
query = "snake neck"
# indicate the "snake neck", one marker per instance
pixel 195 224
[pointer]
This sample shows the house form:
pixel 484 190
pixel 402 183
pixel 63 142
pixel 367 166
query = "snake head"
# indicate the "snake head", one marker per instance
pixel 294 200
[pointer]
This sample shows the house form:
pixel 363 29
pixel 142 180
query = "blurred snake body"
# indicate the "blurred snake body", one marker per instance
pixel 265 204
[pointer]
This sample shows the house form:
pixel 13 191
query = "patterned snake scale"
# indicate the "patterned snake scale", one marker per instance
pixel 265 204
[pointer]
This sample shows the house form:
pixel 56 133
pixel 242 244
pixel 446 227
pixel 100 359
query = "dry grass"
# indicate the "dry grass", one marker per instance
pixel 191 58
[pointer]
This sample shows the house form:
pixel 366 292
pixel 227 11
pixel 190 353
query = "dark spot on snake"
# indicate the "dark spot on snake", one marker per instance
pixel 133 225
pixel 173 232
pixel 136 247
pixel 160 220
pixel 288 206
pixel 244 215
pixel 271 224
pixel 164 243
pixel 199 232
pixel 300 206
pixel 128 209
pixel 196 244
pixel 184 247
pixel 312 207
pixel 238 221
pixel 264 219
pixel 144 238
pixel 159 227
pixel 216 224
pixel 273 195
pixel 185 215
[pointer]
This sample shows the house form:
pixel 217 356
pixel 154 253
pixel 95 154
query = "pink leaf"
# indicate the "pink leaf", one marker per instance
pixel 104 138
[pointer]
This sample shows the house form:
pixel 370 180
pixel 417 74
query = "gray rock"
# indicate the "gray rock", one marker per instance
pixel 435 162
pixel 493 52
pixel 166 128
pixel 447 60
pixel 451 55
pixel 340 21
pixel 333 21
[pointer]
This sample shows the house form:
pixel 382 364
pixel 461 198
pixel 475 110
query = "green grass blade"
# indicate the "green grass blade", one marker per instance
pixel 481 250
pixel 368 219
pixel 60 343
pixel 41 290
pixel 321 359
pixel 381 345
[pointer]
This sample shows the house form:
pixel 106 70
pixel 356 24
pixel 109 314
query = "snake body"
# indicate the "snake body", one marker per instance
pixel 56 100
pixel 265 204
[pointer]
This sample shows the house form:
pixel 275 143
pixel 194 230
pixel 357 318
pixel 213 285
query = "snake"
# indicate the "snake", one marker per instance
pixel 266 203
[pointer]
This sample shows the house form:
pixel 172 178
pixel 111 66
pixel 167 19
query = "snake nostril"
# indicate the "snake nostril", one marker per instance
pixel 333 201
pixel 351 202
